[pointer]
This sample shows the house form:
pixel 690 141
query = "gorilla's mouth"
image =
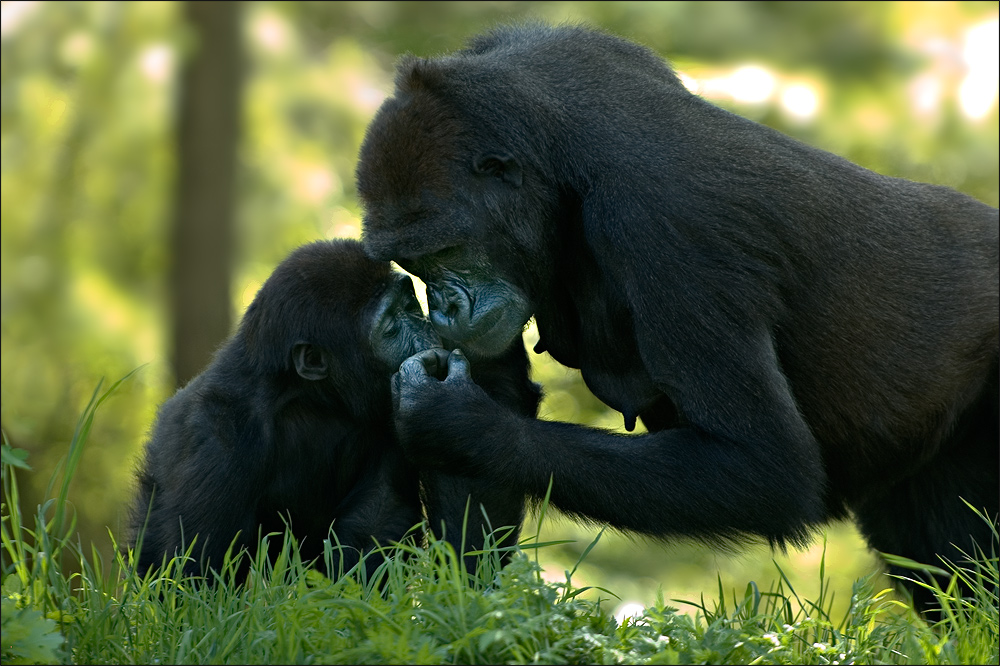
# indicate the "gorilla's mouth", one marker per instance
pixel 483 328
pixel 494 331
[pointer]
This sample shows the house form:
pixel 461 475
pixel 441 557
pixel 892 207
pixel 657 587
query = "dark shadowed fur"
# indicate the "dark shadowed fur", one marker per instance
pixel 804 338
pixel 292 422
pixel 462 509
pixel 250 444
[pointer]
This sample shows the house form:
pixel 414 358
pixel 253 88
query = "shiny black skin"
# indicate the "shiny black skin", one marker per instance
pixel 803 338
pixel 291 420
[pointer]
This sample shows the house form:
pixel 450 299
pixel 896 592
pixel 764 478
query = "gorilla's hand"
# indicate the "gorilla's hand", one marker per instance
pixel 436 407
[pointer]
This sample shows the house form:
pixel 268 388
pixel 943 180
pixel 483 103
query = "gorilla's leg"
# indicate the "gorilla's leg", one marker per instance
pixel 923 515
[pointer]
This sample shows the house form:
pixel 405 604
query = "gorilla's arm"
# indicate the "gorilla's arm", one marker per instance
pixel 481 506
pixel 685 480
pixel 379 510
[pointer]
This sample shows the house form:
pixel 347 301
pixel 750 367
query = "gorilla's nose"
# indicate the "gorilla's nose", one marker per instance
pixel 447 301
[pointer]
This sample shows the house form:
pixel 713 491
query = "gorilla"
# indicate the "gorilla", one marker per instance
pixel 803 339
pixel 292 423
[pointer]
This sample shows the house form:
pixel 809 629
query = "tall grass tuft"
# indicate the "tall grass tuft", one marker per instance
pixel 422 606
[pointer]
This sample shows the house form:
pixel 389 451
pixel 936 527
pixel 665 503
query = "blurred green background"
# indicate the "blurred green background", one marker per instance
pixel 91 195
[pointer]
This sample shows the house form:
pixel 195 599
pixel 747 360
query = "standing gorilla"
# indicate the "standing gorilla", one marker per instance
pixel 292 421
pixel 802 337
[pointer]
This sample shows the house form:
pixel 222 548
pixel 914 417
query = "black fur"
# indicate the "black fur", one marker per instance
pixel 249 443
pixel 804 338
pixel 462 509
pixel 252 443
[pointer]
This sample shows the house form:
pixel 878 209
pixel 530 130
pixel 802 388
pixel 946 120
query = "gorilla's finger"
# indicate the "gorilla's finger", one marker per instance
pixel 432 362
pixel 413 372
pixel 458 367
pixel 436 362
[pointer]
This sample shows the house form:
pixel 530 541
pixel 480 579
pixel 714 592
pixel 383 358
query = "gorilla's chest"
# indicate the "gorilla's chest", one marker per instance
pixel 599 340
pixel 587 325
pixel 619 381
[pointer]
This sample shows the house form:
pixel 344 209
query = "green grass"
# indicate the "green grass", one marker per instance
pixel 63 604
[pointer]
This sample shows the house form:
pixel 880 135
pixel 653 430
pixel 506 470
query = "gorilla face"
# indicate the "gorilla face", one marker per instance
pixel 464 212
pixel 469 304
pixel 399 329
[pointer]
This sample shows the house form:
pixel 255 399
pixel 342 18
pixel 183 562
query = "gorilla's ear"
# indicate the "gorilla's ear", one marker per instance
pixel 414 73
pixel 502 165
pixel 310 361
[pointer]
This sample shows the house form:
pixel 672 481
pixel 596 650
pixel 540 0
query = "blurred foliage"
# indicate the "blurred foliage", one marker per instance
pixel 86 113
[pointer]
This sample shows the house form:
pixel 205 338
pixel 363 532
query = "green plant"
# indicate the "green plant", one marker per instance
pixel 422 606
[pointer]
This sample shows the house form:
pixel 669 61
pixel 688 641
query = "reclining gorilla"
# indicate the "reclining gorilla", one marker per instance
pixel 293 421
pixel 802 337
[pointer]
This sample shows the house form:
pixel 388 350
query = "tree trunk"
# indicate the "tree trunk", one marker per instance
pixel 202 231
